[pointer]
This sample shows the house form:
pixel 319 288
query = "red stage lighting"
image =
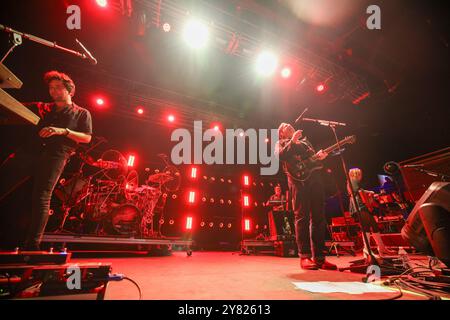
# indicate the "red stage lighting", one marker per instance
pixel 321 88
pixel 246 201
pixel 246 180
pixel 100 101
pixel 247 224
pixel 140 110
pixel 189 223
pixel 286 72
pixel 194 173
pixel 102 3
pixel 131 159
pixel 191 197
pixel 171 118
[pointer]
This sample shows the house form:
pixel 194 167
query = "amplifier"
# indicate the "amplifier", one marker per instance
pixel 286 248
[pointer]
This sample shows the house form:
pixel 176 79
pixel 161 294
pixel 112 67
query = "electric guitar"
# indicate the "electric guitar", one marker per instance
pixel 301 169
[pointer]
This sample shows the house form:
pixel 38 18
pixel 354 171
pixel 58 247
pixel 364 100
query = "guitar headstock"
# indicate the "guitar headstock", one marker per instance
pixel 349 139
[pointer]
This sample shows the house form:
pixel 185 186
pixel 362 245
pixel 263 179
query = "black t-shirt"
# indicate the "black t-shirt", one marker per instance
pixel 71 117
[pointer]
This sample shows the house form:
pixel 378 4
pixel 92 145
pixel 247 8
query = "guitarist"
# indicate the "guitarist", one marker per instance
pixel 62 127
pixel 307 197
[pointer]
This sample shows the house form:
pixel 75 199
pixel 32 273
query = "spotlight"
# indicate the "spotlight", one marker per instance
pixel 211 224
pixel 229 226
pixel 221 225
pixel 166 27
pixel 267 140
pixel 202 224
pixel 171 118
pixel 171 221
pixel 102 3
pixel 140 110
pixel 100 101
pixel 321 88
pixel 196 34
pixel 266 64
pixel 286 72
pixel 161 221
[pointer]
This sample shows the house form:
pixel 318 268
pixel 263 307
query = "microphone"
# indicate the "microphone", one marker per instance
pixel 87 54
pixel 413 166
pixel 301 116
pixel 325 122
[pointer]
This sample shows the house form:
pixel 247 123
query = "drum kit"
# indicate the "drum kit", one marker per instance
pixel 111 199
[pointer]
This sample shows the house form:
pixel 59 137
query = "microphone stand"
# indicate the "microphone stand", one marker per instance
pixel 17 40
pixel 358 266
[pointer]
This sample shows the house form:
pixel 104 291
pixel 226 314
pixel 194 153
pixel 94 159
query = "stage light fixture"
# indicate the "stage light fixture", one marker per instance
pixel 196 34
pixel 166 27
pixel 189 223
pixel 131 159
pixel 100 101
pixel 246 201
pixel 191 197
pixel 102 3
pixel 266 63
pixel 140 110
pixel 171 118
pixel 321 88
pixel 247 224
pixel 194 173
pixel 286 72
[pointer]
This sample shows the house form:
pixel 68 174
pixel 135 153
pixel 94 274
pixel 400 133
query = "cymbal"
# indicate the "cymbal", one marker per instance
pixel 160 178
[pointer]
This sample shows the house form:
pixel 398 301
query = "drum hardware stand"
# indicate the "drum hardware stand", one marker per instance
pixel 67 207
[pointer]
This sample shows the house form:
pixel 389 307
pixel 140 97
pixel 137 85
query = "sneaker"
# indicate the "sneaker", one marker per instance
pixel 308 264
pixel 325 265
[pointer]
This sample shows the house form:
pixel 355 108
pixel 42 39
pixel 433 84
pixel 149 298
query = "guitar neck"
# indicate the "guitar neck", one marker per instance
pixel 335 146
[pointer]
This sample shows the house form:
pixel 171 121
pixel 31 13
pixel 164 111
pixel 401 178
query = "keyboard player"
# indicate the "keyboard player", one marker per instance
pixel 62 126
pixel 277 201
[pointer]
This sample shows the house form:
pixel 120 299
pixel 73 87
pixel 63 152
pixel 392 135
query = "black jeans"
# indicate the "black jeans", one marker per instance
pixel 308 200
pixel 44 169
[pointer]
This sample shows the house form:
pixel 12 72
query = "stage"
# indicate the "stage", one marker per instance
pixel 227 276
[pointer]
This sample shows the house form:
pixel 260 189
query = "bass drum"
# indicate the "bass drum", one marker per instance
pixel 126 219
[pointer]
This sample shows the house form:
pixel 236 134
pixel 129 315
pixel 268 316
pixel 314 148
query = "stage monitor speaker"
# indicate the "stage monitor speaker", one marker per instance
pixel 428 226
